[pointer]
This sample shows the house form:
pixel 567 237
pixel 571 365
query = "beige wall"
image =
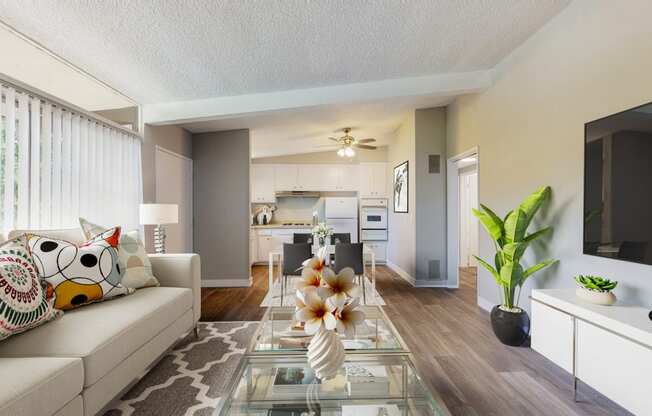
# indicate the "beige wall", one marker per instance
pixel 592 60
pixel 401 227
pixel 362 155
pixel 171 138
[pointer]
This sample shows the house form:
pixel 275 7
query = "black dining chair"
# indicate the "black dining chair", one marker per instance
pixel 298 238
pixel 350 255
pixel 293 257
pixel 338 238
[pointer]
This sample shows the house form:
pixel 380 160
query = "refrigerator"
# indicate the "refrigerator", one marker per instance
pixel 342 215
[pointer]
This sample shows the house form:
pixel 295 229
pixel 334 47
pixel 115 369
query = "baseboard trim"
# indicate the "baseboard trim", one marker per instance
pixel 485 304
pixel 227 282
pixel 405 275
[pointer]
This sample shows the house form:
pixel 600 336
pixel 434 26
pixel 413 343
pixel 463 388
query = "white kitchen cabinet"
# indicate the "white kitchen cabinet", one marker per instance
pixel 262 184
pixel 347 177
pixel 305 177
pixel 272 239
pixel 373 180
pixel 312 178
pixel 286 177
pixel 253 247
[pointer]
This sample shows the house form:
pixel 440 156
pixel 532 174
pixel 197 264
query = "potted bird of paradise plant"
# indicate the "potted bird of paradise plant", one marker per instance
pixel 510 323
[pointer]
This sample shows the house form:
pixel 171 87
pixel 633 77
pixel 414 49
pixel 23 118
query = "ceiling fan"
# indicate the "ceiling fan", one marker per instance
pixel 348 142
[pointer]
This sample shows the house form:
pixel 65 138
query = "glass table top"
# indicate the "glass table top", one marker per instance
pixel 379 385
pixel 280 334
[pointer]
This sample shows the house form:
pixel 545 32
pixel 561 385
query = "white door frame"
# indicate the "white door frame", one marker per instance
pixel 158 148
pixel 453 213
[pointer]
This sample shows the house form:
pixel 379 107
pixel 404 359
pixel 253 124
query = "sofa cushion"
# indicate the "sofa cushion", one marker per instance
pixel 38 385
pixel 103 334
pixel 80 274
pixel 24 302
pixel 132 256
pixel 74 235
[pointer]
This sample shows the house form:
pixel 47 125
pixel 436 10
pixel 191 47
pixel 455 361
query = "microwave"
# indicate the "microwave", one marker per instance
pixel 373 218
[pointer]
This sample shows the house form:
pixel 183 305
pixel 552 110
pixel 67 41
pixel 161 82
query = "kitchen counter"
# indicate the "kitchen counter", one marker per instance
pixel 280 226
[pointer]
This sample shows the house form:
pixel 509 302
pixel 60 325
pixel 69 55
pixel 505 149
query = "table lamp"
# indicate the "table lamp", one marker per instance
pixel 158 215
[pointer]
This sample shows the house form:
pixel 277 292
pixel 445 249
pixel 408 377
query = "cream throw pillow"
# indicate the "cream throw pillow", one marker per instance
pixel 132 256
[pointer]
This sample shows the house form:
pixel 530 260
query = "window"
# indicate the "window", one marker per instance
pixel 57 164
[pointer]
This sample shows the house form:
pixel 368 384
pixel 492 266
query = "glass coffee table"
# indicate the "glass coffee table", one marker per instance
pixel 278 334
pixel 378 377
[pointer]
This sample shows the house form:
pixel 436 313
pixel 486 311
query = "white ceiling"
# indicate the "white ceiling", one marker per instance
pixel 305 130
pixel 170 50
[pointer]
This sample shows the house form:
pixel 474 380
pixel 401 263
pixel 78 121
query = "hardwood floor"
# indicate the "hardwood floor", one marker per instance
pixel 454 348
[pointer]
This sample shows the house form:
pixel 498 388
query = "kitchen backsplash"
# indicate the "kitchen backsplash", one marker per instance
pixel 293 209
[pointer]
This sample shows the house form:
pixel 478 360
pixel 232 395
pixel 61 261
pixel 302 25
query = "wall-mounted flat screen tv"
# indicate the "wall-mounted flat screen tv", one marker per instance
pixel 618 186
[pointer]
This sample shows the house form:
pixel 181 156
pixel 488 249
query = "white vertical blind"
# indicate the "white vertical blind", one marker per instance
pixel 57 165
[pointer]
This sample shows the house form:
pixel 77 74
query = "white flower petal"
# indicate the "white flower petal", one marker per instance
pixel 329 277
pixel 346 275
pixel 329 321
pixel 337 300
pixel 325 292
pixel 305 314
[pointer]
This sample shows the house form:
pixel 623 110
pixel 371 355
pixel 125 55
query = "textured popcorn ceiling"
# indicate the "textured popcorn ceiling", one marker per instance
pixel 164 50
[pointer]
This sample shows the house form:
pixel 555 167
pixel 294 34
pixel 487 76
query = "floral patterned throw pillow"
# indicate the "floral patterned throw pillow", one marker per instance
pixel 132 256
pixel 25 301
pixel 80 274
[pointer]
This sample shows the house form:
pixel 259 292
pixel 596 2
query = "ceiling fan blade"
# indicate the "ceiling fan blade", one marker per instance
pixel 365 146
pixel 334 139
pixel 366 140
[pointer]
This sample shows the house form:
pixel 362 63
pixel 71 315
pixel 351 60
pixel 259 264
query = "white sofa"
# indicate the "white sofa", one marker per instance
pixel 78 364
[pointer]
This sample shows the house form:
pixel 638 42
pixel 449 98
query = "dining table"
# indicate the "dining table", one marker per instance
pixel 368 255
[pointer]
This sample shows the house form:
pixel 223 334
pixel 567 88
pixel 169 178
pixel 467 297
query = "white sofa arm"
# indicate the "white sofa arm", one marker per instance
pixel 180 270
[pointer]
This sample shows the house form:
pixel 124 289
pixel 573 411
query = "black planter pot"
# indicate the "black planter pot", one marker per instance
pixel 511 328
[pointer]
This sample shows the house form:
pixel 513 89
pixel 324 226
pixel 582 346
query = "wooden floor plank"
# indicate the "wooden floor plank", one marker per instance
pixel 455 350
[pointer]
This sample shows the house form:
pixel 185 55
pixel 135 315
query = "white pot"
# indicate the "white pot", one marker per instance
pixel 593 296
pixel 325 354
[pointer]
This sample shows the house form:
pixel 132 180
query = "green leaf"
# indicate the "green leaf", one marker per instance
pixel 537 234
pixel 511 274
pixel 493 227
pixel 499 260
pixel 513 252
pixel 490 268
pixel 532 203
pixel 515 226
pixel 531 270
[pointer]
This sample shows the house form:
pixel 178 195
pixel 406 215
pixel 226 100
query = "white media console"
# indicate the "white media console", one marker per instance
pixel 607 347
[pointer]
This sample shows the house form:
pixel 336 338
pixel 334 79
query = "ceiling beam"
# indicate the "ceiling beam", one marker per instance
pixel 227 107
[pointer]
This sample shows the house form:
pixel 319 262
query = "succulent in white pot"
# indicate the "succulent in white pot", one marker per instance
pixel 596 289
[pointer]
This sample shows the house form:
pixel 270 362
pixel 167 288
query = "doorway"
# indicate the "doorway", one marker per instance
pixel 174 186
pixel 462 227
pixel 468 183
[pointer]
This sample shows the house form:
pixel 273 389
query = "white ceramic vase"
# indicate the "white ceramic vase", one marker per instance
pixel 593 296
pixel 325 354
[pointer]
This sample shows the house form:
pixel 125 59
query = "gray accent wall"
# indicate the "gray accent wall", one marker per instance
pixel 221 205
pixel 430 139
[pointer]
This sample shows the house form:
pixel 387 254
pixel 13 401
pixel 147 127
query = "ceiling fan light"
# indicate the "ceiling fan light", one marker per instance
pixel 341 152
pixel 349 152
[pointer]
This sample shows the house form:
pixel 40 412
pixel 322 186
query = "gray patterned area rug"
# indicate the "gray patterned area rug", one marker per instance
pixel 192 378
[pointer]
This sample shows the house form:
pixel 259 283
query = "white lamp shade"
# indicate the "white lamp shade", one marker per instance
pixel 159 214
